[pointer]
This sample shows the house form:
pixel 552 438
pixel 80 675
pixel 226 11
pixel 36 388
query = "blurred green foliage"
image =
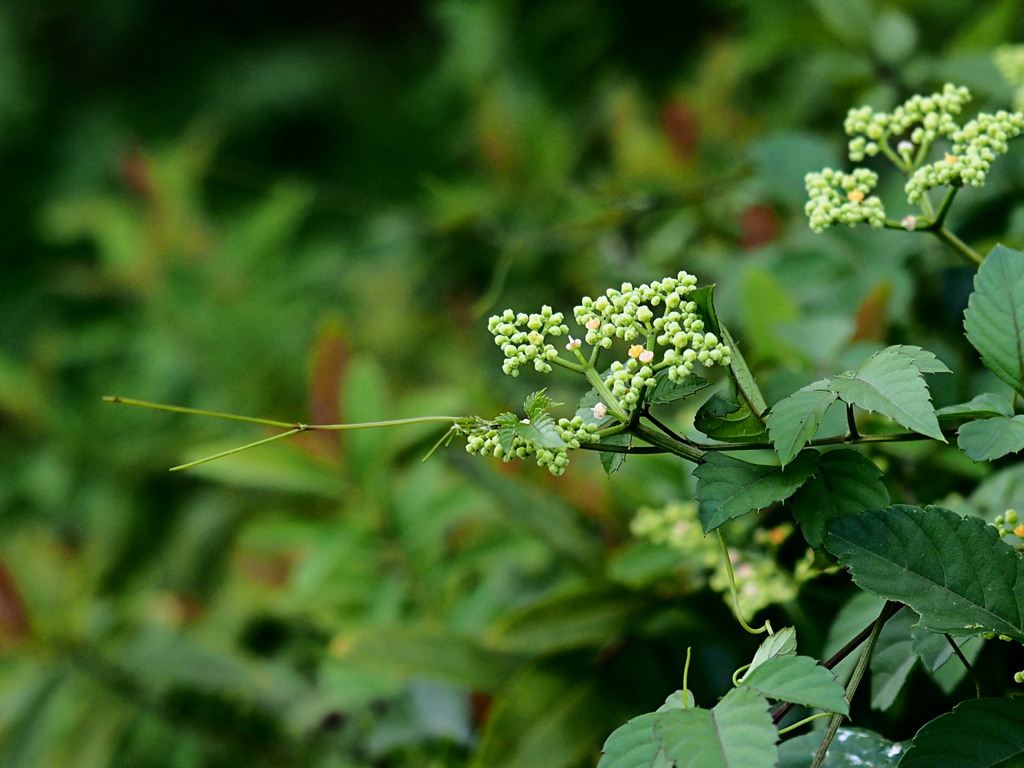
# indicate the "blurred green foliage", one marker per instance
pixel 305 212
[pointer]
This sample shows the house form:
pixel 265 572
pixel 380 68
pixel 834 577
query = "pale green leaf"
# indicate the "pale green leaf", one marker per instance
pixel 925 361
pixel 955 572
pixel 728 487
pixel 613 460
pixel 782 643
pixel 891 384
pixel 987 439
pixel 985 404
pixel 633 745
pixel 994 319
pixel 845 482
pixel 978 733
pixel 801 680
pixel 794 420
pixel 737 733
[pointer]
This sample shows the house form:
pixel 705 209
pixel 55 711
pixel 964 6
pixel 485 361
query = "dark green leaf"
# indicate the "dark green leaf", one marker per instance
pixel 994 319
pixel 981 733
pixel 845 482
pixel 893 659
pixel 850 747
pixel 794 420
pixel 936 654
pixel 668 391
pixel 891 384
pixel 726 416
pixel 612 460
pixel 955 572
pixel 728 487
pixel 985 404
pixel 737 733
pixel 987 439
pixel 801 680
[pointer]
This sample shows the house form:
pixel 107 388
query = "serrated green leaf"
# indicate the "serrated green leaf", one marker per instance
pixel 994 318
pixel 891 384
pixel 925 361
pixel 736 733
pixel 782 643
pixel 955 572
pixel 893 659
pixel 850 747
pixel 987 439
pixel 728 487
pixel 538 403
pixel 633 745
pixel 981 733
pixel 801 680
pixel 540 432
pixel 668 391
pixel 985 404
pixel 794 420
pixel 845 482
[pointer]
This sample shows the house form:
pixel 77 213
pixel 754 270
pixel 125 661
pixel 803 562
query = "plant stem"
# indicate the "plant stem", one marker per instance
pixel 855 680
pixel 766 627
pixel 965 251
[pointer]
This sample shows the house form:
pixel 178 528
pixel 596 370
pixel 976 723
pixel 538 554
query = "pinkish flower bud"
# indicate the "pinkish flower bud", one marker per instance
pixel 600 411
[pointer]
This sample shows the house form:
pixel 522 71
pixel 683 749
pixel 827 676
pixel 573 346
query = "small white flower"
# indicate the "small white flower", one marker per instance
pixel 600 410
pixel 909 223
pixel 573 343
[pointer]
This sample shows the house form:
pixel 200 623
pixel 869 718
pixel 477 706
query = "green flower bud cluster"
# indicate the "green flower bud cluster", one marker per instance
pixel 523 338
pixel 926 118
pixel 828 206
pixel 906 136
pixel 485 438
pixel 632 314
pixel 762 581
pixel 975 146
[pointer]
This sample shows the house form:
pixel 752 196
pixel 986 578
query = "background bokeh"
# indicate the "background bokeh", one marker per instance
pixel 306 212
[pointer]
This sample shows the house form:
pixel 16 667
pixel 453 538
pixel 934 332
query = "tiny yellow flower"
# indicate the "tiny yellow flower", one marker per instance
pixel 1019 531
pixel 593 323
pixel 950 158
pixel 636 350
pixel 855 196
